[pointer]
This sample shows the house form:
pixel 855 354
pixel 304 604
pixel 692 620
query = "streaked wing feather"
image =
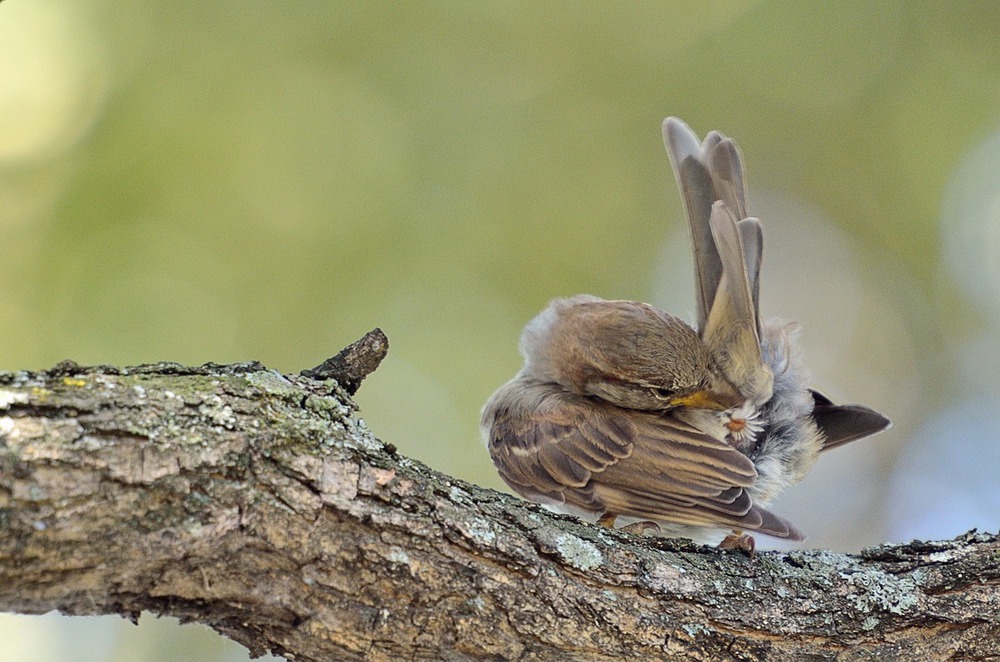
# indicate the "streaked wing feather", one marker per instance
pixel 733 328
pixel 667 442
pixel 752 237
pixel 699 512
pixel 666 470
pixel 698 194
pixel 706 173
pixel 561 466
pixel 729 242
pixel 725 164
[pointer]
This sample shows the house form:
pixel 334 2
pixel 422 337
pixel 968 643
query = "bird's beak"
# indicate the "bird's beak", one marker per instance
pixel 708 399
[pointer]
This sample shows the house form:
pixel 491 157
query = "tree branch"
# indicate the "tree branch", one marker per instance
pixel 261 505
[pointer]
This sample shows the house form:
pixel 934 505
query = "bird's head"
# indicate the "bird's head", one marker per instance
pixel 627 353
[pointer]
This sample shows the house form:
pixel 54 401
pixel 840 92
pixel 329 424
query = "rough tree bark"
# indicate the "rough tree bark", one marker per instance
pixel 261 505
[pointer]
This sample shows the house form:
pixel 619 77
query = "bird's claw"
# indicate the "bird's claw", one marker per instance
pixel 740 541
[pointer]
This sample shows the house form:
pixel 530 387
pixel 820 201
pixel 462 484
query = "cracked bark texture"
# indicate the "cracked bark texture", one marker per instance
pixel 261 505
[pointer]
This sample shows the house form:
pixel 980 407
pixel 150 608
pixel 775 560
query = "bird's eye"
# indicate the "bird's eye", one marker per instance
pixel 662 393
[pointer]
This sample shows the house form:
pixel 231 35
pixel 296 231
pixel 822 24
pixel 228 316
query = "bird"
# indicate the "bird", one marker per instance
pixel 623 414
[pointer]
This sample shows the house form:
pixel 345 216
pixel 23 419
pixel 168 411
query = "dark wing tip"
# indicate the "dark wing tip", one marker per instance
pixel 841 424
pixel 778 527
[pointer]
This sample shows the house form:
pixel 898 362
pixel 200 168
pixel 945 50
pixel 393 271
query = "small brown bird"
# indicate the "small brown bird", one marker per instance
pixel 625 413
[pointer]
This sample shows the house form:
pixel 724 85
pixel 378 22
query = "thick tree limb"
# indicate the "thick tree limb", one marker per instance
pixel 260 505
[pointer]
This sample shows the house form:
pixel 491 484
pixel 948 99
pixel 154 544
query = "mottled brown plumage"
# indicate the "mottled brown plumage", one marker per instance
pixel 622 410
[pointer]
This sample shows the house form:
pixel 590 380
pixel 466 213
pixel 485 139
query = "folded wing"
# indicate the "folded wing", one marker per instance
pixel 597 457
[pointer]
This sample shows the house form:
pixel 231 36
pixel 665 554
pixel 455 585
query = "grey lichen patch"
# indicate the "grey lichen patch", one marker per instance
pixel 871 591
pixel 578 553
pixel 20 379
pixel 107 382
pixel 398 556
pixel 8 398
pixel 359 436
pixel 820 559
pixel 815 566
pixel 458 495
pixel 875 590
pixel 341 414
pixel 696 629
pixel 217 412
pixel 330 407
pixel 869 624
pixel 476 529
pixel 273 383
pixel 193 528
pixel 168 396
pixel 169 429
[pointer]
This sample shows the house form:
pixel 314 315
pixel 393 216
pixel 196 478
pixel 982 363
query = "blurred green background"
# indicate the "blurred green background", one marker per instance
pixel 229 181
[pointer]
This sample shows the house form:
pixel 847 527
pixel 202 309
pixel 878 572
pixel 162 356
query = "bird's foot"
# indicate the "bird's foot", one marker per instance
pixel 740 541
pixel 641 528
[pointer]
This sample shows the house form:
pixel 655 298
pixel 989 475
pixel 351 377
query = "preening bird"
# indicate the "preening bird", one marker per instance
pixel 623 413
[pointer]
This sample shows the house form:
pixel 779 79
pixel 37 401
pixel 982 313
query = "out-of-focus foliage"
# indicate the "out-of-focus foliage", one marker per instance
pixel 230 181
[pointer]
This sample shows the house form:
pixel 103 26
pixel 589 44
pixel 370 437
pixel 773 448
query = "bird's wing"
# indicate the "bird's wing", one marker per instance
pixel 732 332
pixel 841 424
pixel 601 458
pixel 752 238
pixel 707 172
pixel 698 193
pixel 727 252
pixel 734 311
pixel 725 164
